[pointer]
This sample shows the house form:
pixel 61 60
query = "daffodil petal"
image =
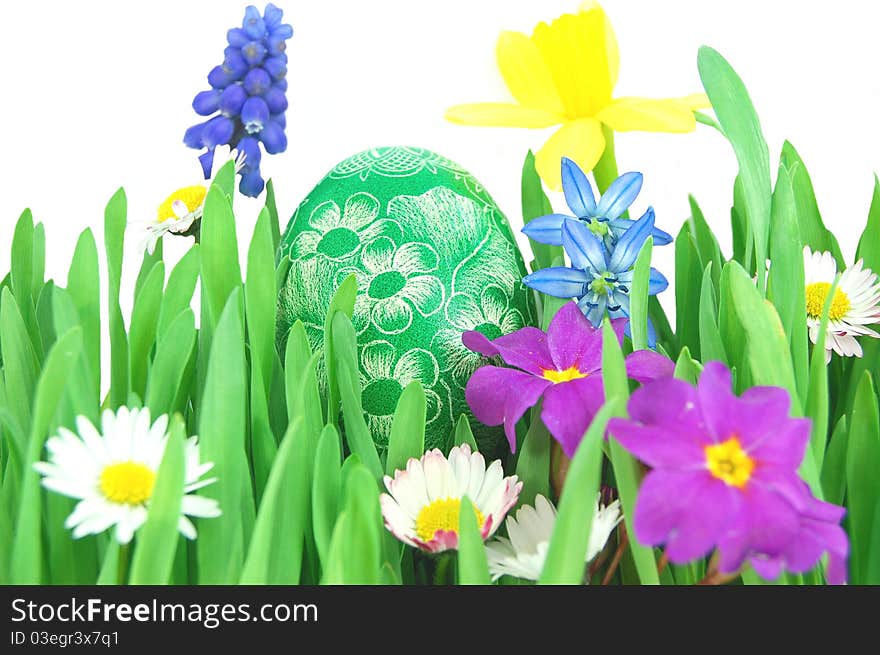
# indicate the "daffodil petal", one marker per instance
pixel 581 141
pixel 526 74
pixel 695 101
pixel 499 114
pixel 648 115
pixel 575 49
pixel 612 53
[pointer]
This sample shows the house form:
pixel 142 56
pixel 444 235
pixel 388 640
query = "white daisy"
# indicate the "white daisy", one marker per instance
pixel 523 552
pixel 113 472
pixel 423 507
pixel 184 207
pixel 856 303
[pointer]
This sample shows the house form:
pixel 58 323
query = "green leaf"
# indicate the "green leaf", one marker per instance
pixel 869 243
pixel 276 550
pixel 786 287
pixel 27 549
pixel 142 333
pixel 534 204
pixel 157 539
pixel 222 541
pixel 688 283
pixel 170 369
pixel 301 385
pixel 326 489
pixel 705 241
pixel 363 550
pixel 357 435
pixel 577 507
pixel 473 565
pixel 626 469
pixel 147 264
pixel 260 312
pixel 685 367
pixel 114 236
pixel 221 274
pixel 179 290
pixel 109 574
pixel 811 228
pixel 20 366
pixel 463 433
pixel 342 301
pixel 738 119
pixel 274 225
pixel 711 343
pixel 83 284
pixel 407 437
pixel 639 296
pixel 39 265
pixel 834 465
pixel 533 463
pixel 862 481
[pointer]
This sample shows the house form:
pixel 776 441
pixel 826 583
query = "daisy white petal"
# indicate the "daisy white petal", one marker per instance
pixel 423 502
pixel 113 473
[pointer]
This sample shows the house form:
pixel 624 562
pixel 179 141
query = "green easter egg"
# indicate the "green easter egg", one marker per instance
pixel 433 256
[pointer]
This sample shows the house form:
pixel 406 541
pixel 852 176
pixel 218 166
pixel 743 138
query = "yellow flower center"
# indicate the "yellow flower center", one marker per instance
pixel 129 483
pixel 728 461
pixel 191 196
pixel 817 292
pixel 569 374
pixel 442 514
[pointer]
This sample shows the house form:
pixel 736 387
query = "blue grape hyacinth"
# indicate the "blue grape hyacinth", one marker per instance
pixel 247 98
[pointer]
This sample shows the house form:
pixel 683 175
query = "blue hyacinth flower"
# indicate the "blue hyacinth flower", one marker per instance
pixel 600 280
pixel 603 218
pixel 248 97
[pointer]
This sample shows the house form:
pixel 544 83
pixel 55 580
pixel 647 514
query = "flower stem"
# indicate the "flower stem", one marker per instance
pixel 605 170
pixel 615 562
pixel 123 562
pixel 443 571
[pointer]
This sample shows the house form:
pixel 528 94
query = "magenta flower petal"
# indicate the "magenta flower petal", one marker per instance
pixel 526 349
pixel 646 366
pixel 479 343
pixel 659 447
pixel 670 404
pixel 716 400
pixel 502 395
pixel 685 510
pixel 573 341
pixel 788 445
pixel 569 408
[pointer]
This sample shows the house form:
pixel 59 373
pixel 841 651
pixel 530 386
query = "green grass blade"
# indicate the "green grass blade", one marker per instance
pixel 473 565
pixel 626 469
pixel 221 274
pixel 168 373
pixel 639 296
pixel 27 550
pixel 711 343
pixel 276 549
pixel 362 548
pixel 834 465
pixel 862 481
pixel 688 282
pixel 326 490
pixel 157 539
pixel 179 290
pixel 534 204
pixel 142 333
pixel 274 225
pixel 222 541
pixel 407 437
pixel 533 463
pixel 357 435
pixel 463 434
pixel 20 366
pixel 114 236
pixel 571 534
pixel 83 285
pixel 736 114
pixel 343 301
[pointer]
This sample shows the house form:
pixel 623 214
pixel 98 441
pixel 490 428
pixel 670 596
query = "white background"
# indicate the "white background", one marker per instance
pixel 96 95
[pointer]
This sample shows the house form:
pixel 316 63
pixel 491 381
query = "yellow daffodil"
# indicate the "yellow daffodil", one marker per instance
pixel 565 74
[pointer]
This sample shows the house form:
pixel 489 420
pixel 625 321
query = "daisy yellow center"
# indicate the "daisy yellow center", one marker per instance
pixel 129 483
pixel 728 461
pixel 817 292
pixel 442 514
pixel 191 196
pixel 569 374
